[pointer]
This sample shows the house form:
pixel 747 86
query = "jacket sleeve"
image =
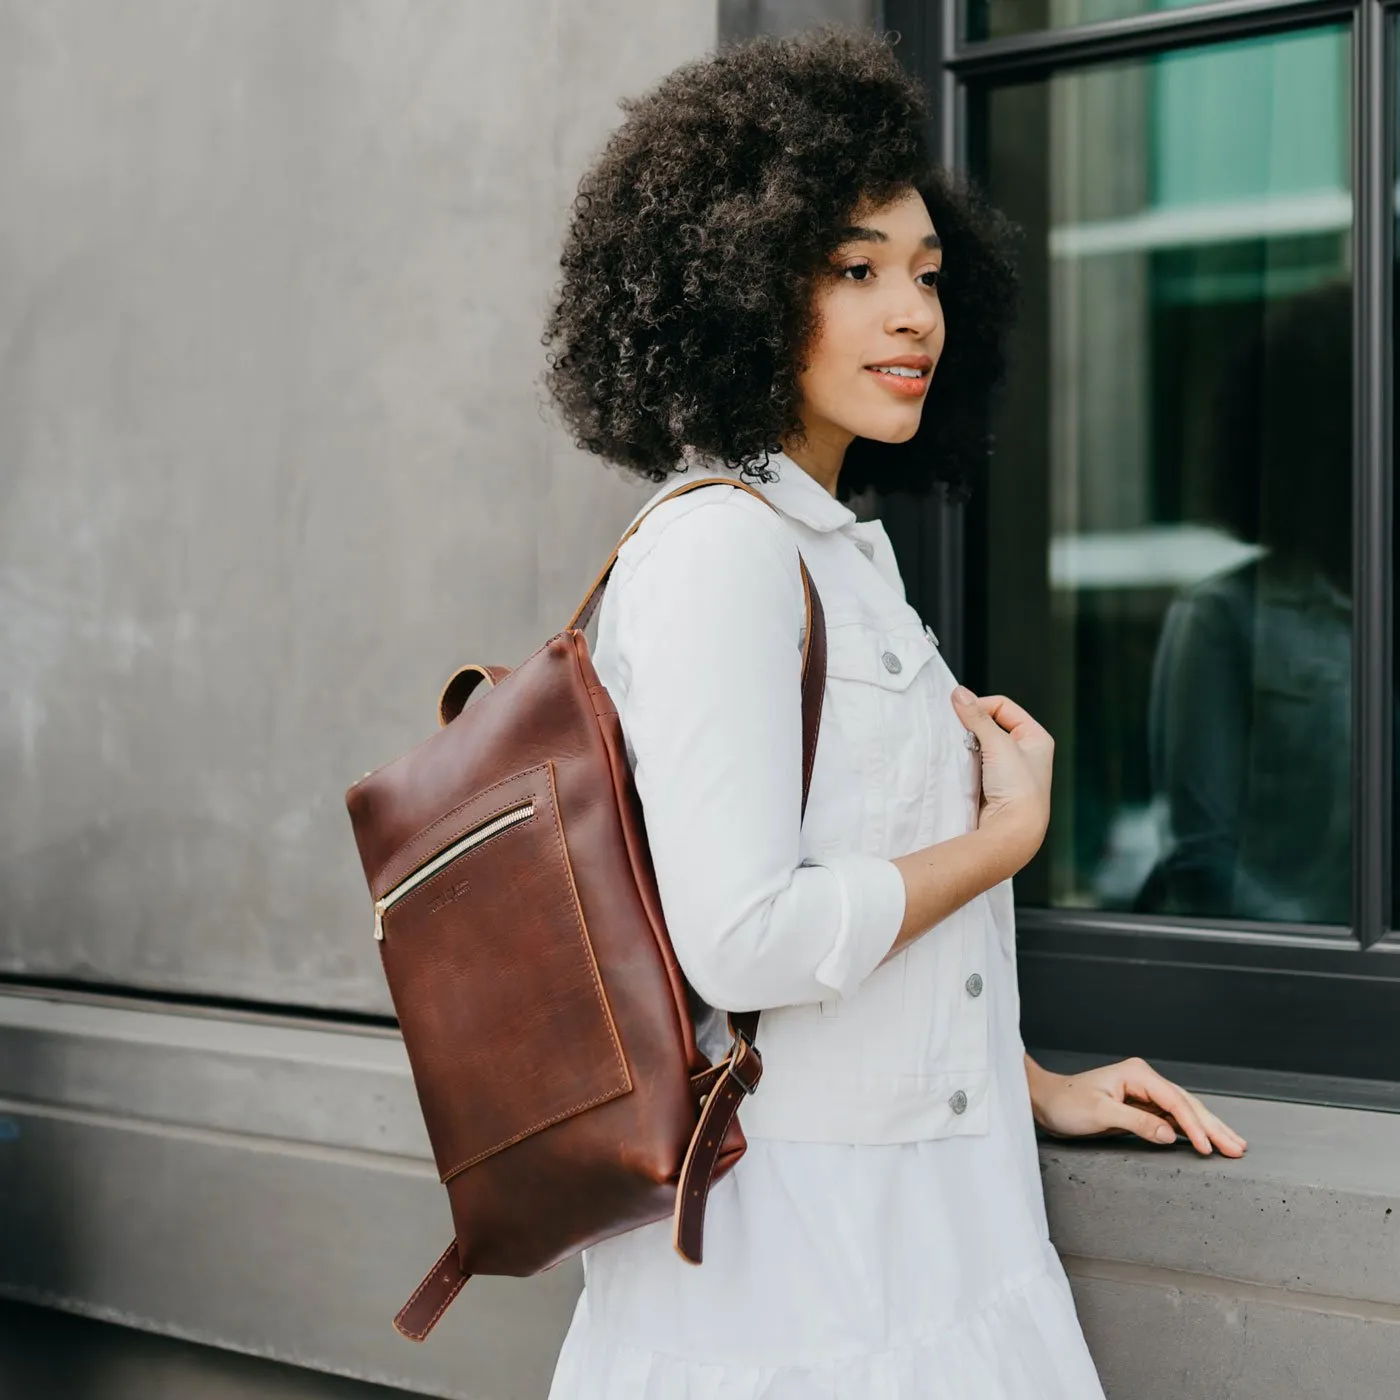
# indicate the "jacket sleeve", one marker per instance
pixel 708 634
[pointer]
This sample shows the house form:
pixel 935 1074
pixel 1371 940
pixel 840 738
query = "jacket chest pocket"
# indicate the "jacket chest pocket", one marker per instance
pixel 884 744
pixel 877 693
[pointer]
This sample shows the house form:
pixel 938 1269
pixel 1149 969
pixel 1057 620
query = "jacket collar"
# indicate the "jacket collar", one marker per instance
pixel 795 493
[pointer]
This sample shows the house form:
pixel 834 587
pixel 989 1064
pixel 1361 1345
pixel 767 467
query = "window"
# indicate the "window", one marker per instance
pixel 997 19
pixel 1180 397
pixel 1180 559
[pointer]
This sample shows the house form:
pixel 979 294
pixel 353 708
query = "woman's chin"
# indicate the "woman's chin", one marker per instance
pixel 890 431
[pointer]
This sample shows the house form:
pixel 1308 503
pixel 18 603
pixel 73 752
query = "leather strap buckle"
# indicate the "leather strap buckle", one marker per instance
pixel 742 1054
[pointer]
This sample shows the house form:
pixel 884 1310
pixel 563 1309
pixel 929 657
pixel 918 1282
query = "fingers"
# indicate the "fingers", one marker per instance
pixel 974 715
pixel 1149 1126
pixel 1204 1129
pixel 1003 712
pixel 1221 1134
pixel 1009 714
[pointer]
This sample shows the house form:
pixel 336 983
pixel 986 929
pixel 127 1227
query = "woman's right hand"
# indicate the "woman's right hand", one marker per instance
pixel 1017 760
pixel 1017 754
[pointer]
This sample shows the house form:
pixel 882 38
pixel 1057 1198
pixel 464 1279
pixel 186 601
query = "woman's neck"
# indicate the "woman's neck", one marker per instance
pixel 821 462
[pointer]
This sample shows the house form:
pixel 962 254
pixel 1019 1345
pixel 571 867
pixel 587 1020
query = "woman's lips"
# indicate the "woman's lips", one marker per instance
pixel 902 384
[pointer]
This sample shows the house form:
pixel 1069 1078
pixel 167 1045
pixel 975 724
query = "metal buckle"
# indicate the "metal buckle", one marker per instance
pixel 733 1056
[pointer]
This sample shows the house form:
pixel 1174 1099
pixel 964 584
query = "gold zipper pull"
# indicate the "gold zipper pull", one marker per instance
pixel 379 920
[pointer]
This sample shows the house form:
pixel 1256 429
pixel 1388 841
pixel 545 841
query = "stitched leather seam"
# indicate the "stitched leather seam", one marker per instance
pixel 616 768
pixel 454 865
pixel 611 1093
pixel 446 1303
pixel 584 939
pixel 431 1276
pixel 702 1159
pixel 614 1093
pixel 455 812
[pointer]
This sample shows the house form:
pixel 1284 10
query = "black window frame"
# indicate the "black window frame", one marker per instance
pixel 1309 1012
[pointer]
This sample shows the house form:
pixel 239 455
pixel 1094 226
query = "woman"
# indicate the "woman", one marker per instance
pixel 755 289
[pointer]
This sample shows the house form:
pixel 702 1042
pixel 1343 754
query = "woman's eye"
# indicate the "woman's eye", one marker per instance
pixel 857 267
pixel 935 274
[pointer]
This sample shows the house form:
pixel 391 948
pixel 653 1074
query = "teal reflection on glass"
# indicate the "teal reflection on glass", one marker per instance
pixel 1167 518
pixel 999 19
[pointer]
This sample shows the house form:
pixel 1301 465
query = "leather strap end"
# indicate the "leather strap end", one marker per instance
pixel 742 1072
pixel 444 1281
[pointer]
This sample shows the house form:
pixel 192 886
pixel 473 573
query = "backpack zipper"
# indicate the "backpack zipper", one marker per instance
pixel 430 868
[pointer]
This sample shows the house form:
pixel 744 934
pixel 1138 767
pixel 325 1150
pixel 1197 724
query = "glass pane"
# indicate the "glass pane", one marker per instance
pixel 997 19
pixel 1166 550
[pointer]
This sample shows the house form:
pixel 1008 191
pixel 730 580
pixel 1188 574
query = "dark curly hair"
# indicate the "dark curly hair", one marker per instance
pixel 695 240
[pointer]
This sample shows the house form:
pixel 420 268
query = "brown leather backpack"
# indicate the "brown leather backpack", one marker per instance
pixel 546 1019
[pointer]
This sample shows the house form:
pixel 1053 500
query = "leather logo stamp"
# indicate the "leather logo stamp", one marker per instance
pixel 449 896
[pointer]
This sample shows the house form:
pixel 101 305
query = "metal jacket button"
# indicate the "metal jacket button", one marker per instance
pixel 892 663
pixel 974 985
pixel 958 1103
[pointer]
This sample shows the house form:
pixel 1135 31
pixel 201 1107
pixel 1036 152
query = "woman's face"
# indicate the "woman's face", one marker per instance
pixel 876 305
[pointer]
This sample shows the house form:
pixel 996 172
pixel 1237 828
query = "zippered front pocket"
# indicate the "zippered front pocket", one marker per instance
pixel 474 838
pixel 493 974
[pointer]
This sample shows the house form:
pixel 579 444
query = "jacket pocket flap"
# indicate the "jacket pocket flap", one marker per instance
pixel 889 657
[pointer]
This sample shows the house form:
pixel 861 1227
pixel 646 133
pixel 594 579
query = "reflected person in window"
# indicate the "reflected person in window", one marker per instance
pixel 1249 721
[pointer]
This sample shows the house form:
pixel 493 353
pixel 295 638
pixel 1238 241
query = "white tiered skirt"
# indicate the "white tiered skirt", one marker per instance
pixel 910 1271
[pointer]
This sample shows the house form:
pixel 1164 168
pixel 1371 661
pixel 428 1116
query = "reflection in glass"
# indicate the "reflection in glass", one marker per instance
pixel 996 19
pixel 1167 537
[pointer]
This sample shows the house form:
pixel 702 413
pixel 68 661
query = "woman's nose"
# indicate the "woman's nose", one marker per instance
pixel 916 312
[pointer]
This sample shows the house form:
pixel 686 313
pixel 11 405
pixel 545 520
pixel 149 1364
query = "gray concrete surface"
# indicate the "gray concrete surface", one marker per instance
pixel 1156 1336
pixel 743 19
pixel 258 1186
pixel 49 1355
pixel 264 1186
pixel 273 453
pixel 288 1251
pixel 1313 1207
pixel 1271 1277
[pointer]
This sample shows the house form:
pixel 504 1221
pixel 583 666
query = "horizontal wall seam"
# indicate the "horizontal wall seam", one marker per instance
pixel 240 1141
pixel 1220 1286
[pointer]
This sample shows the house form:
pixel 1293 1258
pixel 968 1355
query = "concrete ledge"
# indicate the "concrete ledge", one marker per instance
pixel 265 1186
pixel 1179 1338
pixel 268 1076
pixel 1312 1207
pixel 257 1186
pixel 1271 1277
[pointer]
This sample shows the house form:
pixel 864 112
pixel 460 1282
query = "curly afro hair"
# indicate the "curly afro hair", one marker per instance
pixel 693 248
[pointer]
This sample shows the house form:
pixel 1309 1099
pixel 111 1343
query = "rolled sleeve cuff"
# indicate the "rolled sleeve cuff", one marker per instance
pixel 871 897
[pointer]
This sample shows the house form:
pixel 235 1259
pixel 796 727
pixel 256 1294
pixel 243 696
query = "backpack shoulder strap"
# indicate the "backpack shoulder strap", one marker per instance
pixel 814 634
pixel 739 1073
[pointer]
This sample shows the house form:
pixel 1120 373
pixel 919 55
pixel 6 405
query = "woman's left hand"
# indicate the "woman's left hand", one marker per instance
pixel 1128 1097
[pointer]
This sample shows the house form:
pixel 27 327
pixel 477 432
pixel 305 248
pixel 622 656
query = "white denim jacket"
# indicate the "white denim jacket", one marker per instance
pixel 699 645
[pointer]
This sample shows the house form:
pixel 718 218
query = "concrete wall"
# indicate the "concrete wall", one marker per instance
pixel 273 456
pixel 742 19
pixel 274 459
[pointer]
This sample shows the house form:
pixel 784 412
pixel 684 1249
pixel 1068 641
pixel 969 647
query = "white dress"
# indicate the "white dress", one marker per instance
pixel 917 1270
